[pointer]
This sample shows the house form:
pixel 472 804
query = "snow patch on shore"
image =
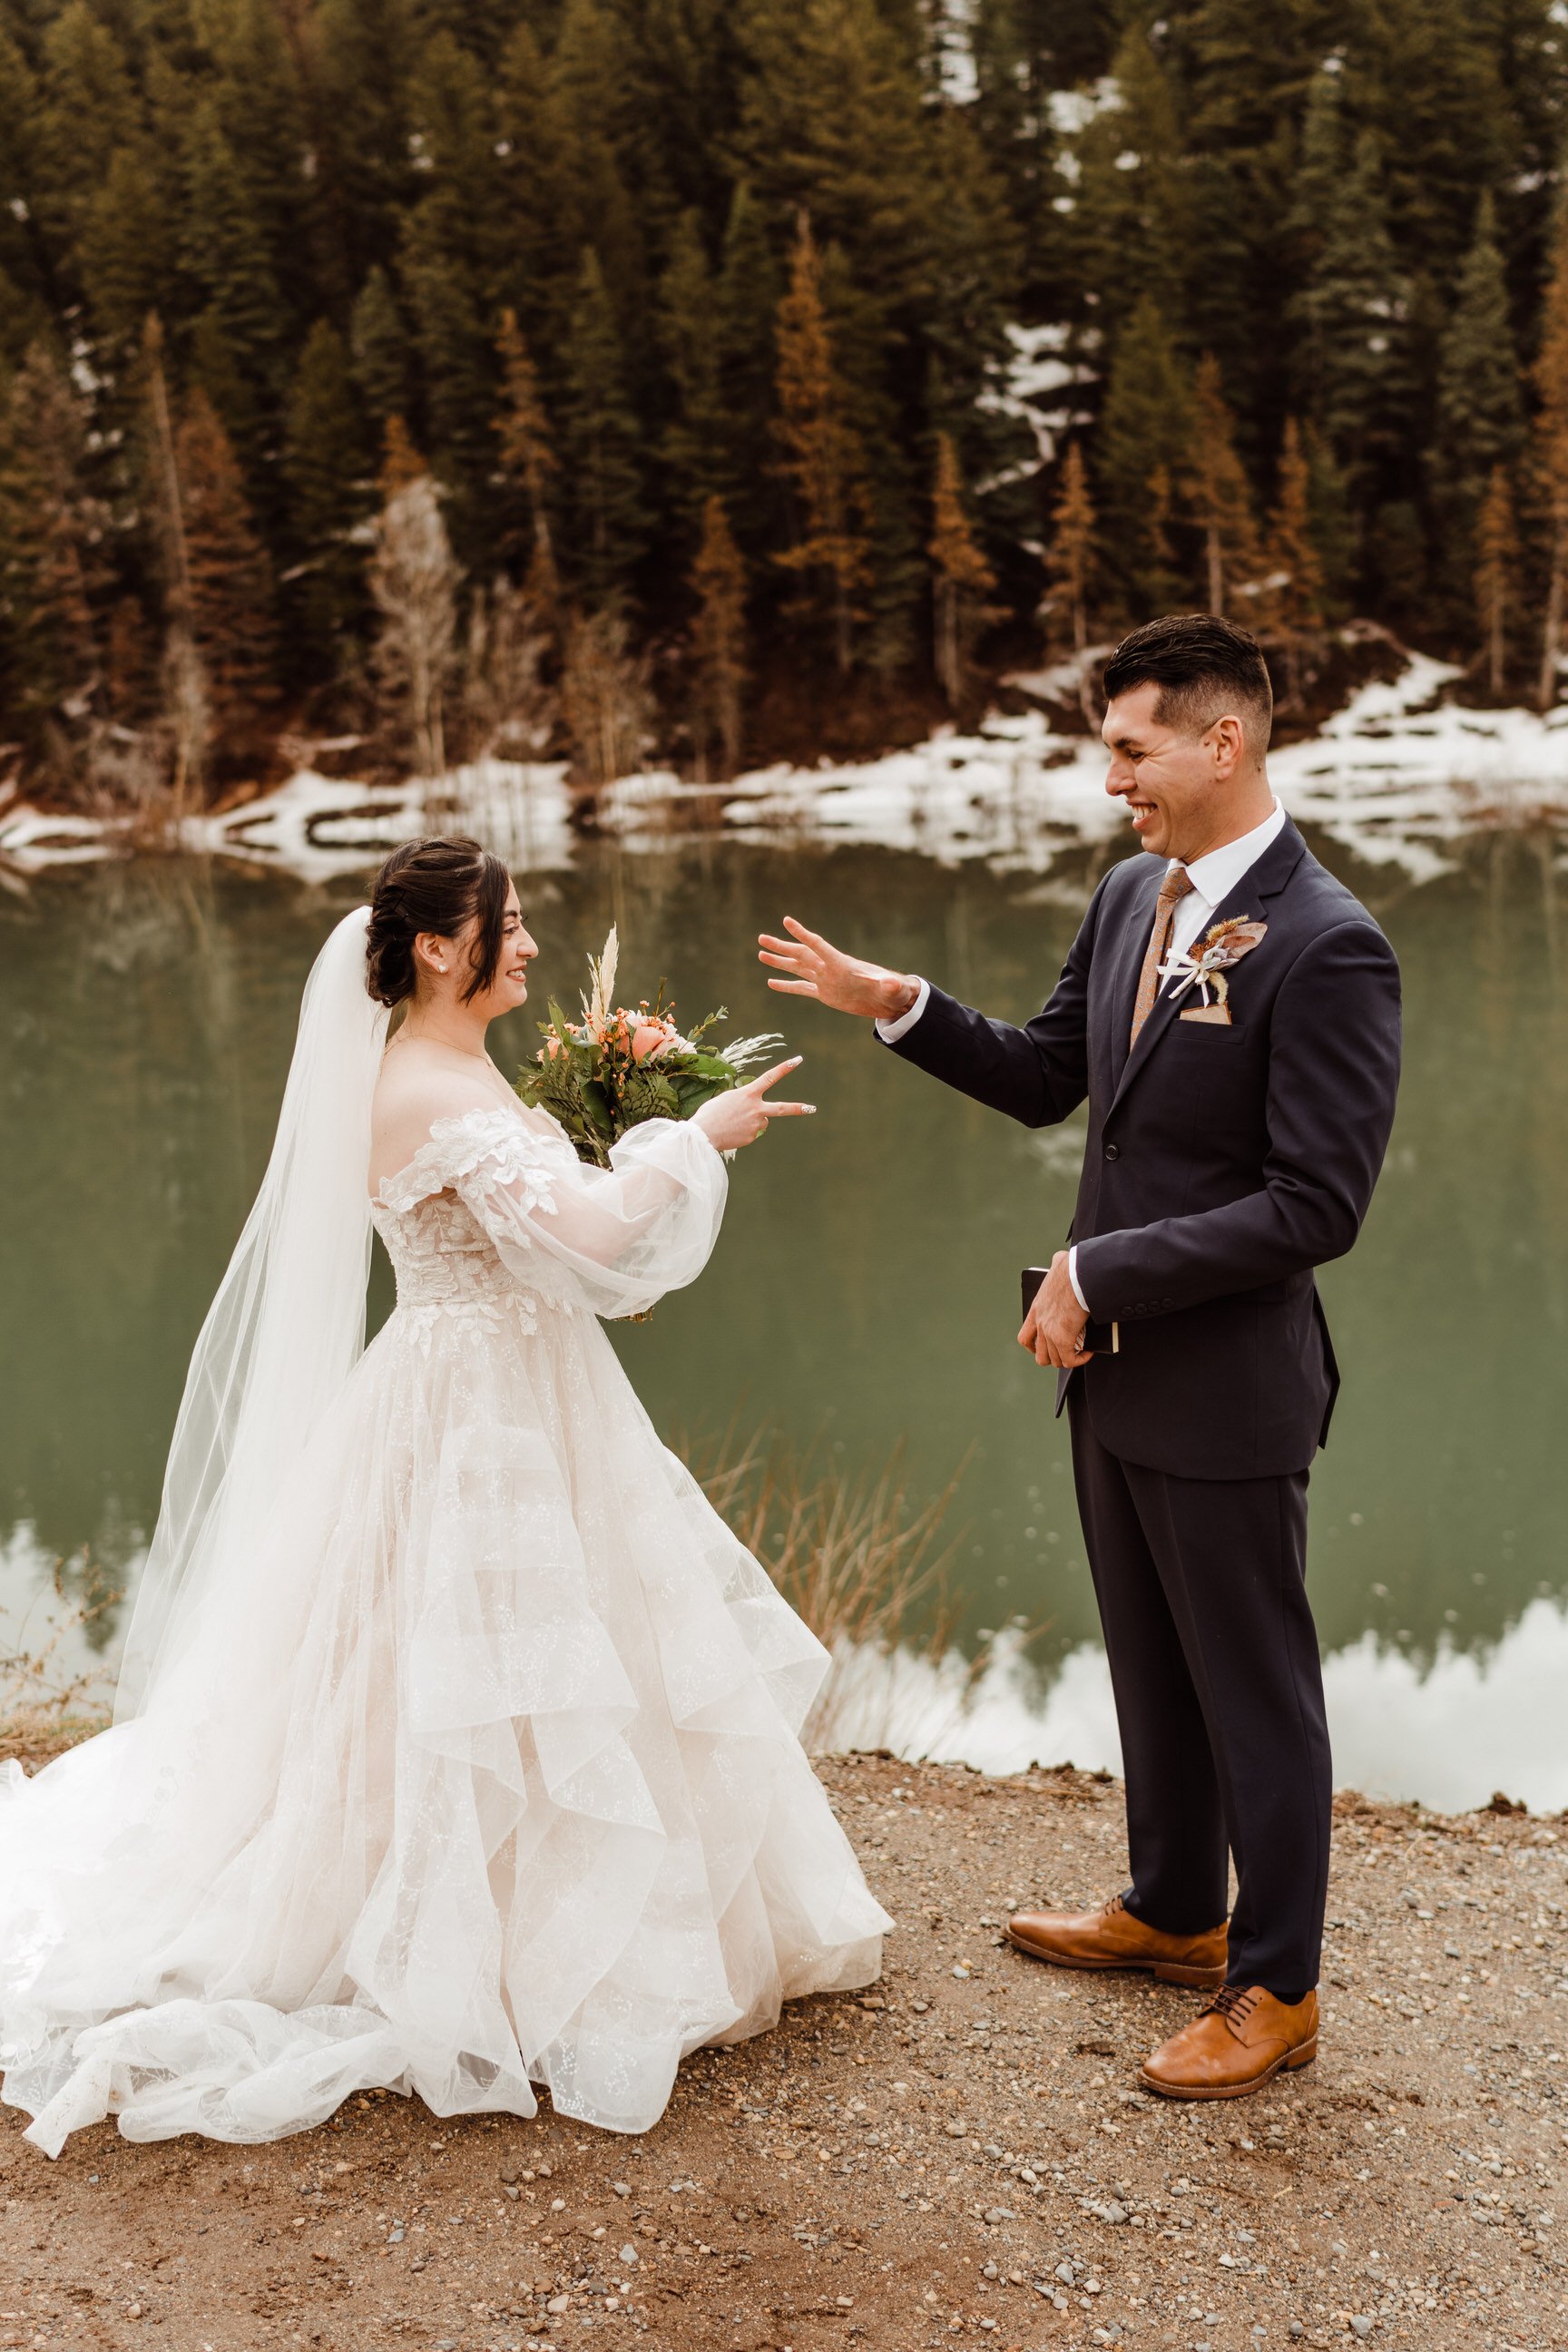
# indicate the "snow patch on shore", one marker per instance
pixel 1403 775
pixel 322 827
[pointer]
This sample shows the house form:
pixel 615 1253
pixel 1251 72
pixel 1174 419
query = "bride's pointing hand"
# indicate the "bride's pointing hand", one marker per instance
pixel 817 968
pixel 739 1117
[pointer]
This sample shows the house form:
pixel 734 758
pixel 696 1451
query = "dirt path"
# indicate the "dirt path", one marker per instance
pixel 960 2158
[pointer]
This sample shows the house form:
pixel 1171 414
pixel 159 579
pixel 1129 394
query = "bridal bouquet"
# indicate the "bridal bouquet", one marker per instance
pixel 618 1066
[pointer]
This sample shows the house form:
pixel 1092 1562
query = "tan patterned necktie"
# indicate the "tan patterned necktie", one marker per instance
pixel 1177 885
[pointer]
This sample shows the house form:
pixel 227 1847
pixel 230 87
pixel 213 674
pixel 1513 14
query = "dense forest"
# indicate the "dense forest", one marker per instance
pixel 613 375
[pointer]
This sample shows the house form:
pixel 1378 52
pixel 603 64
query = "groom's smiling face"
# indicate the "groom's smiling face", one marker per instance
pixel 1179 787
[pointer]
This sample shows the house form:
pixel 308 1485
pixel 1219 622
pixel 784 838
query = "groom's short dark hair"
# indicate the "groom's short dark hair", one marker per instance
pixel 1203 666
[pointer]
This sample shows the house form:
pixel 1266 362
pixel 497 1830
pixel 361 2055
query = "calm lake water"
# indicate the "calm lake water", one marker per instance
pixel 864 1289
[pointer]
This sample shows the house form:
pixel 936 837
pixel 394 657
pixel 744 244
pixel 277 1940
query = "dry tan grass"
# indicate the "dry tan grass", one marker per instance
pixel 40 1694
pixel 870 1571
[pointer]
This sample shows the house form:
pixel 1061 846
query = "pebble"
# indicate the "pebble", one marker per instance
pixel 630 2257
pixel 1361 2326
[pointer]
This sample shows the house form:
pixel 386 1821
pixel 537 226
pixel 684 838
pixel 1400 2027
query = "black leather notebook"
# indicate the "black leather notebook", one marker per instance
pixel 1100 1339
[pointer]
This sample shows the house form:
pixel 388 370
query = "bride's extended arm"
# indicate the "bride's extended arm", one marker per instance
pixel 627 1234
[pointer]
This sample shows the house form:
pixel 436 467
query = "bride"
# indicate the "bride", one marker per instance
pixel 455 1747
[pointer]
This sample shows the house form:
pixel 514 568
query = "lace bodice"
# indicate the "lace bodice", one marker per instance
pixel 495 1216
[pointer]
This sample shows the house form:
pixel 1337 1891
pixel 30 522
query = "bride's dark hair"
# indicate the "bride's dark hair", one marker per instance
pixel 435 885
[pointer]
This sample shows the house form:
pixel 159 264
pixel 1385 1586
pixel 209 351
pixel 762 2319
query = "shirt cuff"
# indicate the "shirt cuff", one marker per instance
pixel 890 1032
pixel 1072 1277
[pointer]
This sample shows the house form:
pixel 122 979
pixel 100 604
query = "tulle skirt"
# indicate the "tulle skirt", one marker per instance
pixel 494 1781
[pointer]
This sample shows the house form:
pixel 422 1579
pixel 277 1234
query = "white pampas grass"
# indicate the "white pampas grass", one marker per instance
pixel 598 1008
pixel 742 1051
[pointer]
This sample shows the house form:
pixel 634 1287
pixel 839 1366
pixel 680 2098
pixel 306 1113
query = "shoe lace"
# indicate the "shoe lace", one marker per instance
pixel 1233 2003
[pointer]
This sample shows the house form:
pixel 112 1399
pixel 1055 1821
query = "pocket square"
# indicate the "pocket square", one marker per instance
pixel 1219 1013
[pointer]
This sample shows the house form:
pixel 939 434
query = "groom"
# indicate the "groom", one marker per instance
pixel 1232 1014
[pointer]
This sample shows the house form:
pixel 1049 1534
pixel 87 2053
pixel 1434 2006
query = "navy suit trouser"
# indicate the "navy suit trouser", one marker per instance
pixel 1219 1697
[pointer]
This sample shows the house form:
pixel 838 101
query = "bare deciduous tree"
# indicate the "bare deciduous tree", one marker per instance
pixel 608 701
pixel 507 708
pixel 415 580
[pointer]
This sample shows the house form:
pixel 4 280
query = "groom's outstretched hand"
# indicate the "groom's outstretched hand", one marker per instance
pixel 1054 1327
pixel 816 968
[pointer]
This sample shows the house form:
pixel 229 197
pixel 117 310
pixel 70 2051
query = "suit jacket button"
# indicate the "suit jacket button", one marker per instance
pixel 1113 1151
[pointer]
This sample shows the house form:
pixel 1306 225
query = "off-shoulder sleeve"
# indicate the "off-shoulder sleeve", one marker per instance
pixel 625 1234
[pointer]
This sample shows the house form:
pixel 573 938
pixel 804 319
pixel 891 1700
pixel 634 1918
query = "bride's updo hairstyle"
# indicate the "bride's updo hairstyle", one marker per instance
pixel 439 885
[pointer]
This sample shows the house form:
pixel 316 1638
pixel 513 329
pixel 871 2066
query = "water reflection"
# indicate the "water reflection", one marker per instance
pixel 1448 1733
pixel 866 1283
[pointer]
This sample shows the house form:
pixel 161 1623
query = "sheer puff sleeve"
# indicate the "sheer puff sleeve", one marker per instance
pixel 623 1235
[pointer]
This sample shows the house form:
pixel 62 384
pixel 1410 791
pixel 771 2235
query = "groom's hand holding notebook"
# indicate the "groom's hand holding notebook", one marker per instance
pixel 1099 1339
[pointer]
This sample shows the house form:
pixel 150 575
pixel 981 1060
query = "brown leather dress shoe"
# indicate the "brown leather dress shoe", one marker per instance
pixel 1235 2045
pixel 1112 1939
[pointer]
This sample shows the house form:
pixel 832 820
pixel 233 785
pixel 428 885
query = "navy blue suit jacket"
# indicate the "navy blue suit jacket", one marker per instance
pixel 1222 1164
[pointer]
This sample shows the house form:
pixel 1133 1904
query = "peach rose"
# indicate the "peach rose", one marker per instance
pixel 647 1037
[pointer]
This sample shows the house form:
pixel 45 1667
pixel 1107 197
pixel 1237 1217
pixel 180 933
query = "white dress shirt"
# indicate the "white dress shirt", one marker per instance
pixel 1212 878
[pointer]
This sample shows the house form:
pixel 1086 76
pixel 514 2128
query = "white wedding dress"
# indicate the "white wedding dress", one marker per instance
pixel 468 1761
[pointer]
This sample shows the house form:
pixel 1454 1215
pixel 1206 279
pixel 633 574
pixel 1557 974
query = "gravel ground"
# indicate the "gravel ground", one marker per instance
pixel 960 2157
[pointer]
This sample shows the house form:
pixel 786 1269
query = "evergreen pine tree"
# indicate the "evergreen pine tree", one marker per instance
pixel 1142 447
pixel 89 110
pixel 1354 310
pixel 600 444
pixel 961 577
pixel 1497 569
pixel 694 445
pixel 126 249
pixel 1220 494
pixel 527 463
pixel 748 288
pixel 548 230
pixel 832 122
pixel 590 85
pixel 362 54
pixel 240 362
pixel 718 641
pixel 1071 559
pixel 1133 211
pixel 1479 419
pixel 230 583
pixel 822 455
pixel 453 262
pixel 401 462
pixel 53 547
pixel 326 467
pixel 1551 458
pixel 976 264
pixel 24 269
pixel 378 339
pixel 1294 612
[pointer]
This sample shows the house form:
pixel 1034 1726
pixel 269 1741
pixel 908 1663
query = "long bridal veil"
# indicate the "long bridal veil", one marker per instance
pixel 280 1339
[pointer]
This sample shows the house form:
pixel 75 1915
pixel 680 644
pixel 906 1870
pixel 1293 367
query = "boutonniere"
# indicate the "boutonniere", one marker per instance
pixel 1205 963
